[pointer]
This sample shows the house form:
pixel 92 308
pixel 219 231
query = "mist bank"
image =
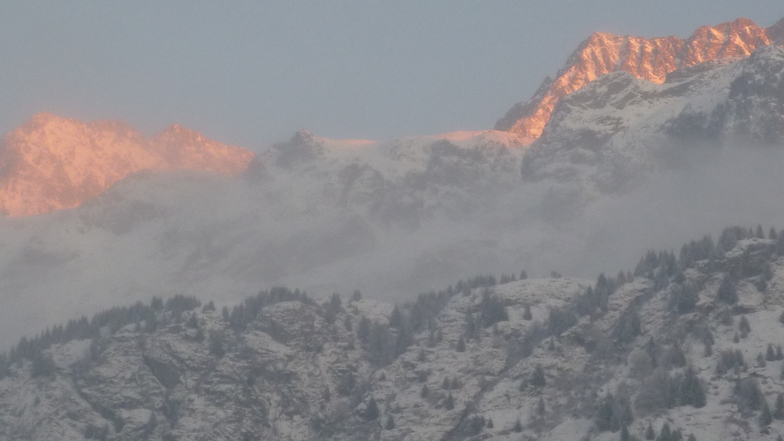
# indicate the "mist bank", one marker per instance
pixel 222 238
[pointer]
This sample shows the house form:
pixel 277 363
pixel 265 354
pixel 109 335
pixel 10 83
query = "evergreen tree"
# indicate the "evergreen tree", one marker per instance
pixel 538 378
pixel 490 424
pixel 390 424
pixel 357 296
pixel 649 433
pixel 371 413
pixel 518 426
pixel 691 390
pixel 540 408
pixel 396 319
pixel 692 438
pixel 606 420
pixel 449 404
pixel 727 291
pixel 770 353
pixel 744 327
pixel 778 408
pixel 425 392
pixel 765 417
pixel 665 434
pixel 527 312
pixel 625 433
pixel 461 345
pixel 363 330
pixel 523 275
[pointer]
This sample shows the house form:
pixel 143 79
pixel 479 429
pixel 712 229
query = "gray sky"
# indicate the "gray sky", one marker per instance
pixel 252 73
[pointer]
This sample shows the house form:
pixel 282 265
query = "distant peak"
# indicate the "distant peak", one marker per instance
pixel 650 59
pixel 52 162
pixel 178 130
pixel 776 32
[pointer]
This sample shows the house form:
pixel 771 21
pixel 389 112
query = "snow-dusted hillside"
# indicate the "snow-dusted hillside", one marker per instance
pixel 692 343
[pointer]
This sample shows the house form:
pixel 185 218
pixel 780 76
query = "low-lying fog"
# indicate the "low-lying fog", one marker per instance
pixel 224 239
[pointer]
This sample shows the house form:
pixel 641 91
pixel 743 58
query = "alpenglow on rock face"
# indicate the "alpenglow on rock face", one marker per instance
pixel 51 163
pixel 648 59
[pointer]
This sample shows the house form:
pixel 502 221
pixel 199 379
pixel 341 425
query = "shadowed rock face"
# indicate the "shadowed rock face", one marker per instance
pixel 51 163
pixel 649 59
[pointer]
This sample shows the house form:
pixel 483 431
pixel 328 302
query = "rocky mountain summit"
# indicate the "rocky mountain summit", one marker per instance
pixel 51 162
pixel 617 128
pixel 686 346
pixel 648 59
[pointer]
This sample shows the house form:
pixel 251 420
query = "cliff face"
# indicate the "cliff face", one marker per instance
pixel 647 59
pixel 52 163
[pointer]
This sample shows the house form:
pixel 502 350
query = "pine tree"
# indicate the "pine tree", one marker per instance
pixel 744 327
pixel 625 433
pixel 778 408
pixel 363 330
pixel 649 433
pixel 461 345
pixel 538 378
pixel 523 275
pixel 692 438
pixel 727 291
pixel 765 417
pixel 449 404
pixel 606 420
pixel 540 408
pixel 665 434
pixel 490 424
pixel 371 413
pixel 396 318
pixel 518 426
pixel 425 392
pixel 770 353
pixel 527 312
pixel 390 424
pixel 691 390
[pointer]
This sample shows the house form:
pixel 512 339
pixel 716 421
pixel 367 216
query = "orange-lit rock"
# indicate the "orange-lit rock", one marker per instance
pixel 649 59
pixel 51 163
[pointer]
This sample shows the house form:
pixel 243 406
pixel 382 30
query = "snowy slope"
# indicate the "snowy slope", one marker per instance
pixel 617 129
pixel 284 367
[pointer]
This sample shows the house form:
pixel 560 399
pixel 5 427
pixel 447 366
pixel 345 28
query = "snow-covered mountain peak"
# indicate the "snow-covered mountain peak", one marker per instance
pixel 51 162
pixel 616 128
pixel 650 59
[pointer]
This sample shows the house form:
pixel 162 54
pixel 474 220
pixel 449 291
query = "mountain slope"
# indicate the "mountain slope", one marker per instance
pixel 690 342
pixel 647 59
pixel 51 163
